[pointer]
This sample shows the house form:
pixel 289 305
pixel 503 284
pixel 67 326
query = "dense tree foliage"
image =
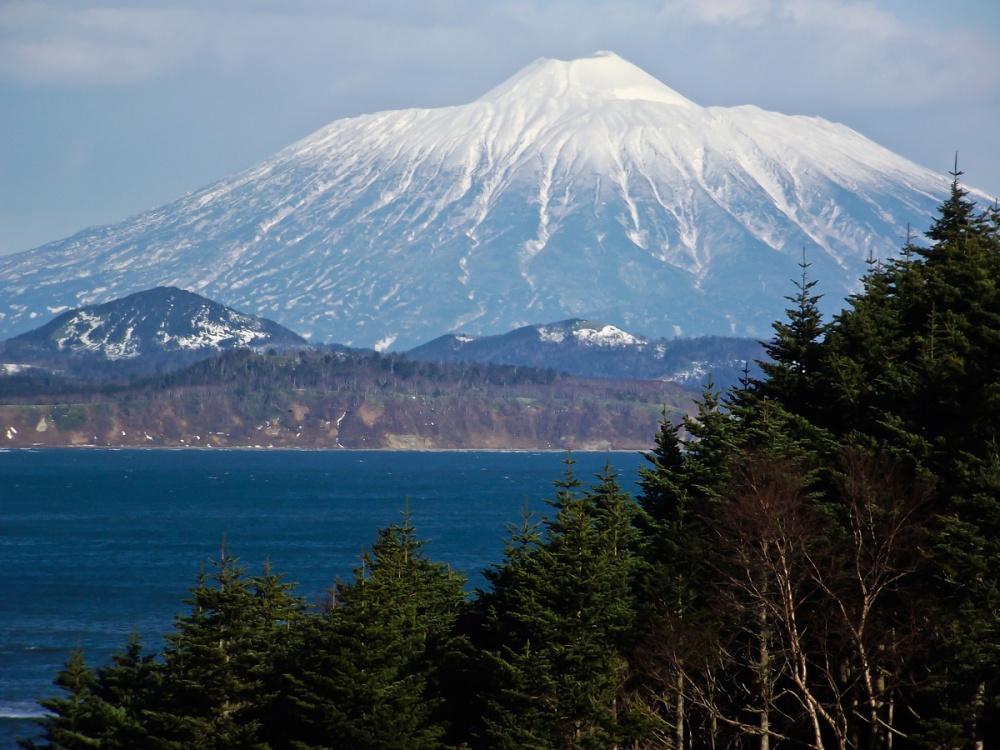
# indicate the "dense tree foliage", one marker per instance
pixel 826 536
pixel 370 671
pixel 813 561
pixel 558 621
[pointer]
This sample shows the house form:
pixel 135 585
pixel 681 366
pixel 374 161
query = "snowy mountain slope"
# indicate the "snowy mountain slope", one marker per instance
pixel 581 188
pixel 157 326
pixel 598 350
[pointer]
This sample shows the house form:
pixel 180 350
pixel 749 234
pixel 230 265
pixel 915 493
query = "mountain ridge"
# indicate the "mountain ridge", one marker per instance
pixel 591 349
pixel 385 230
pixel 164 329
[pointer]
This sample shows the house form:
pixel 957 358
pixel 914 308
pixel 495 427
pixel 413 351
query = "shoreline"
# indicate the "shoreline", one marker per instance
pixel 276 448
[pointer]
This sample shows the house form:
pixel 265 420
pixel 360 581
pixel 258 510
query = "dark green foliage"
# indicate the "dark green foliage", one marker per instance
pixel 913 362
pixel 915 367
pixel 74 720
pixel 370 671
pixel 661 496
pixel 127 689
pixel 824 539
pixel 220 682
pixel 220 676
pixel 249 667
pixel 558 624
pixel 791 374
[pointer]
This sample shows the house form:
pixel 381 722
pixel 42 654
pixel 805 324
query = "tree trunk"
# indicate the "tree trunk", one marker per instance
pixel 679 713
pixel 764 675
pixel 978 702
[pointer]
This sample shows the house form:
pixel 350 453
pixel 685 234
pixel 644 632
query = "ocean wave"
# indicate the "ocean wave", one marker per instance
pixel 20 710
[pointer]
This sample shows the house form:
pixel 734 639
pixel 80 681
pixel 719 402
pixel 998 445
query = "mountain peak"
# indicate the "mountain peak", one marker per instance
pixel 601 76
pixel 153 327
pixel 577 188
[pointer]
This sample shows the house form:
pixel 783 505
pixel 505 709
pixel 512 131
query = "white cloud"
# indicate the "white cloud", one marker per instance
pixel 832 53
pixel 750 12
pixel 828 52
pixel 385 343
pixel 56 43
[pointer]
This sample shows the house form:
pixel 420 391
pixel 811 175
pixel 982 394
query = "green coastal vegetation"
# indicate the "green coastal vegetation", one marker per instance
pixel 812 561
pixel 335 399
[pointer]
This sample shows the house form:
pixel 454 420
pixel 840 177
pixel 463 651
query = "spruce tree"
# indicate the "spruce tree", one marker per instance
pixel 792 371
pixel 369 674
pixel 73 721
pixel 218 685
pixel 865 370
pixel 279 622
pixel 559 622
pixel 127 688
pixel 912 363
pixel 662 497
pixel 710 449
pixel 911 369
pixel 676 550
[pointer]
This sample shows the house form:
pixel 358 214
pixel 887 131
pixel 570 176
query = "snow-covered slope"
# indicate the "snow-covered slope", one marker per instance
pixel 152 325
pixel 599 350
pixel 581 188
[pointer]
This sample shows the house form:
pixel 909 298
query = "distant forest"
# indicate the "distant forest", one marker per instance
pixel 812 561
pixel 338 399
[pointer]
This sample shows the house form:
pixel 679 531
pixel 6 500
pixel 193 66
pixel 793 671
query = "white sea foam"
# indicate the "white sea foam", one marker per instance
pixel 22 710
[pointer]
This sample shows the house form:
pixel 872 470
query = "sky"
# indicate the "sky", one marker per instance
pixel 109 108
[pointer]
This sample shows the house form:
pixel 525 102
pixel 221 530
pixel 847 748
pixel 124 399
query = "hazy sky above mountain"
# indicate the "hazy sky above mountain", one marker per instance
pixel 111 108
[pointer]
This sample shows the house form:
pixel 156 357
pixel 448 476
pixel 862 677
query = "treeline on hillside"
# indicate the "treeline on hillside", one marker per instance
pixel 816 564
pixel 243 370
pixel 342 400
pixel 356 373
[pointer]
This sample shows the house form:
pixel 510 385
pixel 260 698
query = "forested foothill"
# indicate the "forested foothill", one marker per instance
pixel 814 565
pixel 338 399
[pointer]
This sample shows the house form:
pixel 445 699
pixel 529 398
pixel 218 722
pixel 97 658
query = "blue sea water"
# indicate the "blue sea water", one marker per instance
pixel 97 543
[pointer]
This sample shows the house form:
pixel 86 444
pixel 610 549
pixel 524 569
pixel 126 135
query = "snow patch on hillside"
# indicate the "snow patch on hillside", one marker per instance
pixel 606 336
pixel 551 335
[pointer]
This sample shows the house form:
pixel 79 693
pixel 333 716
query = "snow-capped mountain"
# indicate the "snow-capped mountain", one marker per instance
pixel 159 326
pixel 599 350
pixel 581 188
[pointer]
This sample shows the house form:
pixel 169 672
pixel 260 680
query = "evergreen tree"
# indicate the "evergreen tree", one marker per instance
pixel 864 360
pixel 911 369
pixel 279 623
pixel 963 699
pixel 956 327
pixel 126 689
pixel 218 683
pixel 670 588
pixel 73 721
pixel 913 362
pixel 792 371
pixel 710 449
pixel 957 223
pixel 662 497
pixel 559 621
pixel 369 676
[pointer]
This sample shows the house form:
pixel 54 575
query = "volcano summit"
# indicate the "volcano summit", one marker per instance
pixel 575 189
